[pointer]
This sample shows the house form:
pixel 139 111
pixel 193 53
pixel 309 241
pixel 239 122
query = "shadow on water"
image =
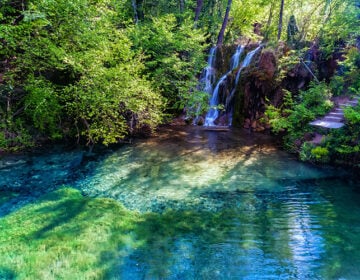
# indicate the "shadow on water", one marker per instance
pixel 175 159
pixel 63 214
pixel 25 178
pixel 169 245
pixel 271 237
pixel 6 274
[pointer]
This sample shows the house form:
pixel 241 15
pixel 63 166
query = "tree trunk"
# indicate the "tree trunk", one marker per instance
pixel 136 16
pixel 182 6
pixel 357 4
pixel 280 20
pixel 199 4
pixel 268 23
pixel 225 22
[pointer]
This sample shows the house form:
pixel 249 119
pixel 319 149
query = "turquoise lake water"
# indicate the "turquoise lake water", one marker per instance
pixel 247 209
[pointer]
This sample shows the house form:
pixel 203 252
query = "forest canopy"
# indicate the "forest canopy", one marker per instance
pixel 103 70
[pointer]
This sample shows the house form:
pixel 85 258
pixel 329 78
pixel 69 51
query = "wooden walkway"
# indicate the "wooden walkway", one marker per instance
pixel 335 118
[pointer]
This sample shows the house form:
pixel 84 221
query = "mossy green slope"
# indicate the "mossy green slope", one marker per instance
pixel 64 236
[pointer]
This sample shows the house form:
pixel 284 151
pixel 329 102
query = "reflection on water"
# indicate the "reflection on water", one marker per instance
pixel 217 205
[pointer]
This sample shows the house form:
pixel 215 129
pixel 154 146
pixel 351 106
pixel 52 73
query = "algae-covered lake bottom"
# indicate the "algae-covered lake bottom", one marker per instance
pixel 186 204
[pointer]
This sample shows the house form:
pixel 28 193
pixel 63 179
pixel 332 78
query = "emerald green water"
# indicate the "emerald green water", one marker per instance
pixel 214 205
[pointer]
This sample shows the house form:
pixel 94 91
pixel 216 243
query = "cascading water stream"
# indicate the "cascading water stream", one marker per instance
pixel 209 73
pixel 207 78
pixel 246 62
pixel 213 113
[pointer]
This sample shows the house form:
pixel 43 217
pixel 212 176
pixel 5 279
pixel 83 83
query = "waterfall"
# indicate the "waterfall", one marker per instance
pixel 213 113
pixel 209 73
pixel 235 60
pixel 207 79
pixel 245 63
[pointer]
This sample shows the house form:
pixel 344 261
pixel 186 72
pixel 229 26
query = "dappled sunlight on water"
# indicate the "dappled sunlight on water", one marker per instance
pixel 188 165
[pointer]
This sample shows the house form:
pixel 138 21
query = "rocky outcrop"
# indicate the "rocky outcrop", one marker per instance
pixel 223 58
pixel 257 85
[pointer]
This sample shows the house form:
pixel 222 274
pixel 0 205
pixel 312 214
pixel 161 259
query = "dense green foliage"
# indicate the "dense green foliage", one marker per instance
pixel 81 69
pixel 294 115
pixel 72 72
pixel 173 54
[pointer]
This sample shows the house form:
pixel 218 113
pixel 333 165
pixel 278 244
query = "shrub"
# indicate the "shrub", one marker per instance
pixel 320 154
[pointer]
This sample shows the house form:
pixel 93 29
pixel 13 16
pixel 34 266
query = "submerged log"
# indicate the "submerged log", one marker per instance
pixel 217 128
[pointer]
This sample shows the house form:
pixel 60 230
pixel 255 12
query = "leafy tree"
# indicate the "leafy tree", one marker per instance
pixel 173 54
pixel 101 70
pixel 340 27
pixel 73 72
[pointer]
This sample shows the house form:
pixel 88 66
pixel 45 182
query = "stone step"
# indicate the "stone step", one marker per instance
pixel 336 114
pixel 332 119
pixel 339 110
pixel 327 124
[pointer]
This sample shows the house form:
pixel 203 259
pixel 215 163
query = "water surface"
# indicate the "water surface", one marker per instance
pixel 215 205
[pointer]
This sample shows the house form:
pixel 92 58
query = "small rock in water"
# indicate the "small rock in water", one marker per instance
pixel 200 121
pixel 260 129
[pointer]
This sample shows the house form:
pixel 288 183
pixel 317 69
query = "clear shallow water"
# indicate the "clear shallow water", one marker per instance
pixel 219 205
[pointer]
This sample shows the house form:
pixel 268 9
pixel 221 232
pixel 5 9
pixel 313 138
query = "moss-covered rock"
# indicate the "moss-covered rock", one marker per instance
pixel 257 85
pixel 223 59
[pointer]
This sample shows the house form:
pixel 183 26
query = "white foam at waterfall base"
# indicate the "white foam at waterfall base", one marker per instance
pixel 213 113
